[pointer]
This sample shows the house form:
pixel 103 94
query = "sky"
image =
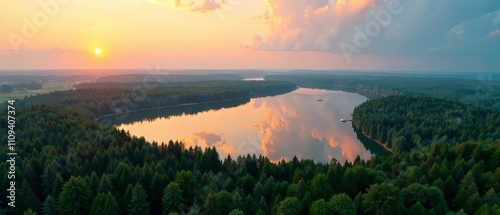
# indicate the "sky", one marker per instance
pixel 430 35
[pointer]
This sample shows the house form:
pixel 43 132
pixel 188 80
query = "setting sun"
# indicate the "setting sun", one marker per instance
pixel 97 51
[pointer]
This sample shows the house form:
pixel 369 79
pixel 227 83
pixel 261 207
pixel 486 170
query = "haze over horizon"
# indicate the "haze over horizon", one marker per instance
pixel 401 35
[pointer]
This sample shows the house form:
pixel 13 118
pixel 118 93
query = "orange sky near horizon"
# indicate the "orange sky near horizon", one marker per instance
pixel 130 33
pixel 218 34
pixel 139 34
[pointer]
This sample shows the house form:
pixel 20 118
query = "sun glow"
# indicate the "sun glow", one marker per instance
pixel 97 51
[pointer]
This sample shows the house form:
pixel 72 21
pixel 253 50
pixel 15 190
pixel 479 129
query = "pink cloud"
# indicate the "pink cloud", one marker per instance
pixel 228 149
pixel 207 6
pixel 286 132
pixel 209 139
pixel 202 6
pixel 311 24
pixel 495 33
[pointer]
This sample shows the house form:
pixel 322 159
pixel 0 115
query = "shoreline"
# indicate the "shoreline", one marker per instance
pixel 169 106
pixel 374 140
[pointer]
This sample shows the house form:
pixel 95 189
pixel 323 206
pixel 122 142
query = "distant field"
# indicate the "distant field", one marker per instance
pixel 47 87
pixel 56 86
pixel 8 96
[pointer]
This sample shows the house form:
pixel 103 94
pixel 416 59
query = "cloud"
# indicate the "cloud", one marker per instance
pixel 160 1
pixel 258 43
pixel 288 130
pixel 209 139
pixel 207 6
pixel 397 26
pixel 495 33
pixel 206 139
pixel 478 36
pixel 203 139
pixel 228 149
pixel 202 6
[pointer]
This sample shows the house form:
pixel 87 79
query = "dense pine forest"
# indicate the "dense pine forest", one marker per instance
pixel 115 98
pixel 403 122
pixel 446 162
pixel 478 92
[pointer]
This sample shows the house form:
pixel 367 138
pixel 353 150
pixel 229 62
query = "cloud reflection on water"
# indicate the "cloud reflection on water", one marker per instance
pixel 278 127
pixel 298 124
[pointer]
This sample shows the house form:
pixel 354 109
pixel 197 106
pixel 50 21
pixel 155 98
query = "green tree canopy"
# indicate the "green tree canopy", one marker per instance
pixel 6 88
pixel 172 198
pixel 104 204
pixel 290 206
pixel 320 207
pixel 320 187
pixel 382 198
pixel 342 204
pixel 75 197
pixel 138 202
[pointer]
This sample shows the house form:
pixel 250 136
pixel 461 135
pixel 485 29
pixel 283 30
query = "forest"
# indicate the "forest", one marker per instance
pixel 172 78
pixel 114 98
pixel 404 122
pixel 64 151
pixel 481 91
pixel 447 161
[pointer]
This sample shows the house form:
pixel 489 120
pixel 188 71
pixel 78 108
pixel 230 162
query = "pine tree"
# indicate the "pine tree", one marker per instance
pixel 75 197
pixel 104 204
pixel 111 205
pixel 236 201
pixel 416 209
pixel 27 198
pixel 342 204
pixel 158 185
pixel 48 179
pixel 236 212
pixel 172 198
pixel 260 212
pixel 276 204
pixel 467 189
pixel 138 204
pixel 94 182
pixel 212 205
pixel 224 199
pixel 382 198
pixel 249 207
pixel 262 204
pixel 29 212
pixel 188 184
pixel 49 206
pixel 290 206
pixel 97 204
pixel 320 207
pixel 57 185
pixel 125 199
pixel 105 184
pixel 472 204
pixel 194 210
pixel 320 187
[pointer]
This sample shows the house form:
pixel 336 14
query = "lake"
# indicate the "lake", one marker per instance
pixel 303 123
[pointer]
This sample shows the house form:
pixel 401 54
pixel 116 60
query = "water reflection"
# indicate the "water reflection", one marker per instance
pixel 278 127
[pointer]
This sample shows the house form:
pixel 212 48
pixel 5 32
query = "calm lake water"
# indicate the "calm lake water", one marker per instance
pixel 305 123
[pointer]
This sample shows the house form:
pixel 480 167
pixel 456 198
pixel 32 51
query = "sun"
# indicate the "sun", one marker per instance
pixel 97 51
